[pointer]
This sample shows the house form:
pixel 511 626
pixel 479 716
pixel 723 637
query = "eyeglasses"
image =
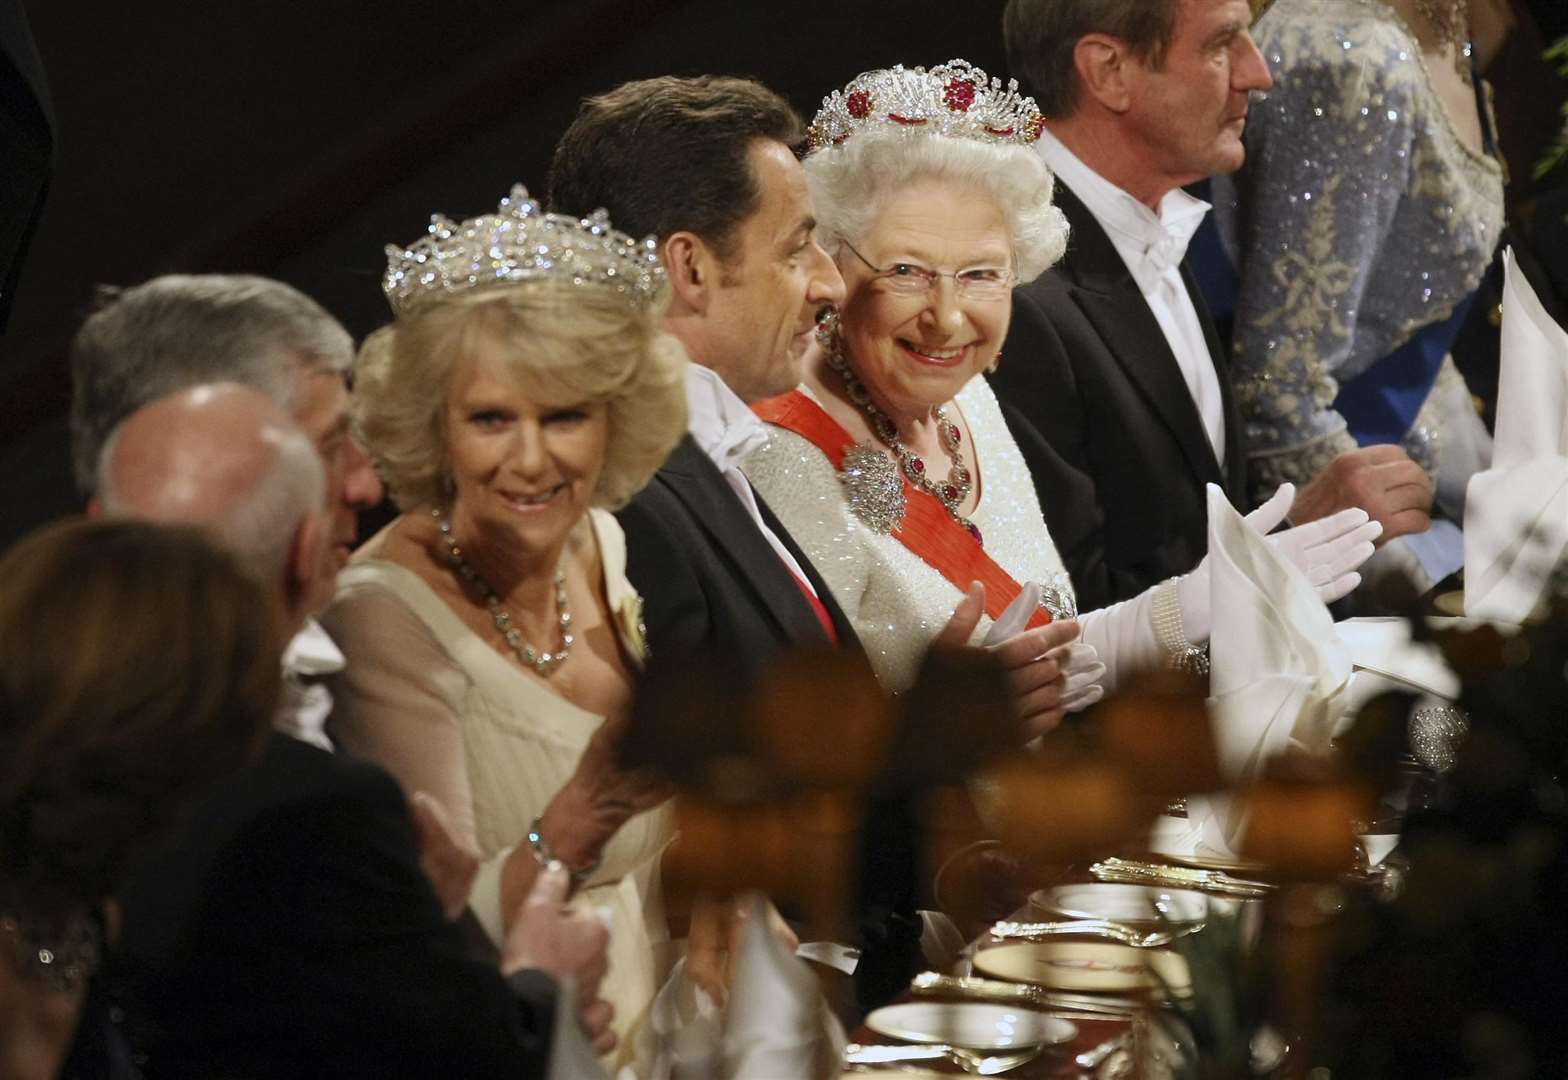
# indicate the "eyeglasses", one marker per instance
pixel 912 279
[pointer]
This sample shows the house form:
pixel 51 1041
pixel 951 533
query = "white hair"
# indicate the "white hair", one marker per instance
pixel 850 184
pixel 257 526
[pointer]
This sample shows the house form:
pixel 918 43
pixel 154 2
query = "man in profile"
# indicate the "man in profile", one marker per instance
pixel 705 165
pixel 290 928
pixel 1114 382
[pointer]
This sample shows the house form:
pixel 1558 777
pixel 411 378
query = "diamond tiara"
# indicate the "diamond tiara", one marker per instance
pixel 955 99
pixel 520 242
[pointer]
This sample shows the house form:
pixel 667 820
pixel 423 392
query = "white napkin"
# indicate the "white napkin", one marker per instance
pixel 686 1029
pixel 571 1054
pixel 1516 512
pixel 777 1022
pixel 1278 672
pixel 1386 657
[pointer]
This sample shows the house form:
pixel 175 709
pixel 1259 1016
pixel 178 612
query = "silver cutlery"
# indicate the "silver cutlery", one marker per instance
pixel 975 1062
pixel 1090 1059
pixel 1145 873
pixel 1101 1006
pixel 1127 935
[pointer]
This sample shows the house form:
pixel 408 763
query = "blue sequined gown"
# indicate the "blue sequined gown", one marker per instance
pixel 1361 226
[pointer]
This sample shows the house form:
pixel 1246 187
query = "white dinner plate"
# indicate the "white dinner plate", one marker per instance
pixel 1123 903
pixel 1230 864
pixel 974 1025
pixel 1081 965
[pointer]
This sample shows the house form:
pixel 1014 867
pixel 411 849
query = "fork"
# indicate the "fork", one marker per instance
pixel 1138 939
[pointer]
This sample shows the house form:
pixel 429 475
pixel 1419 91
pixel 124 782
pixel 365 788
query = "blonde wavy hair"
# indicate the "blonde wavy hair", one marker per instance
pixel 567 345
pixel 851 182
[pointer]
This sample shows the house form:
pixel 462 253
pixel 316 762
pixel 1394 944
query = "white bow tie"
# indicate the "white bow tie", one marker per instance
pixel 1163 254
pixel 741 438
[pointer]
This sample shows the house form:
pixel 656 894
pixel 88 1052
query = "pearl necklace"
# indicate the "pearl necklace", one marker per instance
pixel 544 663
pixel 959 483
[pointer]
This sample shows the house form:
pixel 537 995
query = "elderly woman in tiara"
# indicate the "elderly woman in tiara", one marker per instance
pixel 891 465
pixel 522 391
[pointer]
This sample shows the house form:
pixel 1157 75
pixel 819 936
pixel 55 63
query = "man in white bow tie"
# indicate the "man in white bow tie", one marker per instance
pixel 1113 380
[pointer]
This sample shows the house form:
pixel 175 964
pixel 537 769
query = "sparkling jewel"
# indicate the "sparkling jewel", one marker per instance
pixel 544 663
pixel 955 99
pixel 872 487
pixel 520 242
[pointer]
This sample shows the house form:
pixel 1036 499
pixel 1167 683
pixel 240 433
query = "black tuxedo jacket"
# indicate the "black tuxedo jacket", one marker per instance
pixel 289 931
pixel 718 600
pixel 711 584
pixel 1098 405
pixel 26 146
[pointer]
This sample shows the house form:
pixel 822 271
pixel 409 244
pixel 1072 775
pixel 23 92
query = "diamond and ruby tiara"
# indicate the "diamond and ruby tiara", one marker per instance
pixel 520 242
pixel 955 99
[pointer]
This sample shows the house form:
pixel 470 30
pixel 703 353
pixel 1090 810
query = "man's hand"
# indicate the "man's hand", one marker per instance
pixel 1382 480
pixel 714 939
pixel 1035 661
pixel 553 938
pixel 447 860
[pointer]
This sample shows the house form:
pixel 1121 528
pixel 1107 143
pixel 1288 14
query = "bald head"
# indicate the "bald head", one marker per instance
pixel 225 457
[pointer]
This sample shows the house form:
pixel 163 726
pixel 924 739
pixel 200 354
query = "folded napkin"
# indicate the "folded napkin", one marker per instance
pixel 777 1023
pixel 1278 672
pixel 1387 657
pixel 571 1054
pixel 1516 512
pixel 686 1029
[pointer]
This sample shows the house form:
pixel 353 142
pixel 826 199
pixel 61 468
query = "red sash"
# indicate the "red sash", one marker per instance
pixel 927 529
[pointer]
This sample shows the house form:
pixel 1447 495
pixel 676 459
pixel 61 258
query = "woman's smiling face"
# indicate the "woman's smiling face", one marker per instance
pixel 917 351
pixel 523 473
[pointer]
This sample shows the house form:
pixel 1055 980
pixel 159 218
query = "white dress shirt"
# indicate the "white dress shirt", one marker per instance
pixel 1152 247
pixel 306 702
pixel 726 430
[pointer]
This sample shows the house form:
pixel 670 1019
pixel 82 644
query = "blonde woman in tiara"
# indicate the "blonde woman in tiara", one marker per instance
pixel 892 466
pixel 522 391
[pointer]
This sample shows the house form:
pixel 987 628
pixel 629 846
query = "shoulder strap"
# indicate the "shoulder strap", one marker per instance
pixel 927 529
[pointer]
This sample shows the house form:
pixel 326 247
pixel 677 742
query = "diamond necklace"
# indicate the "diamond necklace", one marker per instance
pixel 952 493
pixel 544 663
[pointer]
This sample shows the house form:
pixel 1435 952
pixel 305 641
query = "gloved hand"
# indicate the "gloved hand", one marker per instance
pixel 1327 551
pixel 1078 661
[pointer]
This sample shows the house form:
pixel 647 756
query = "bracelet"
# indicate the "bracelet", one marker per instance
pixel 1180 654
pixel 546 857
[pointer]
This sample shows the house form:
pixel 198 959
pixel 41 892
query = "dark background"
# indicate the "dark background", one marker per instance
pixel 295 139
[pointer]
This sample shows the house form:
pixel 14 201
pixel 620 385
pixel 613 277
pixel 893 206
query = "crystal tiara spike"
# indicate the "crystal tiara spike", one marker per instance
pixel 520 242
pixel 955 99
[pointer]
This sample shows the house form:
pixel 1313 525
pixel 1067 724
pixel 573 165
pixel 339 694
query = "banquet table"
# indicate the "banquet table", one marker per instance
pixel 1056 1062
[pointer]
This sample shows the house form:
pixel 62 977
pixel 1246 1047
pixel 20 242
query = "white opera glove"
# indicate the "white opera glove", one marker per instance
pixel 1085 676
pixel 1328 550
pixel 1011 622
pixel 1079 661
